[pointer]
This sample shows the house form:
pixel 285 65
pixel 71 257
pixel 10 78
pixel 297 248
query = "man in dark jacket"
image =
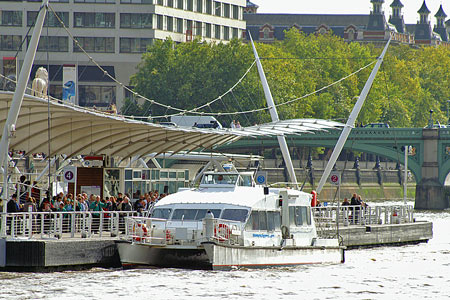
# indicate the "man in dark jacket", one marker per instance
pixel 13 206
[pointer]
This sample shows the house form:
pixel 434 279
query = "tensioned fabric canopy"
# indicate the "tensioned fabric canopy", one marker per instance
pixel 81 131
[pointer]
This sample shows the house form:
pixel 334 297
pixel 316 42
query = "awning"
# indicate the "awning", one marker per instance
pixel 82 131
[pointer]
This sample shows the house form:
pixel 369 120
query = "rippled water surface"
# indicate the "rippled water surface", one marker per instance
pixel 407 272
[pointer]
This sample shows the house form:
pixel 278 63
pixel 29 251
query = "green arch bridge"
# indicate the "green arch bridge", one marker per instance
pixel 429 160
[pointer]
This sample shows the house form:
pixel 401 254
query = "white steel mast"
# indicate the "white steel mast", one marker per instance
pixel 351 120
pixel 13 114
pixel 274 115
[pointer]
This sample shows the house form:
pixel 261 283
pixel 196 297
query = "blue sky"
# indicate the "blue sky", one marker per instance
pixel 349 7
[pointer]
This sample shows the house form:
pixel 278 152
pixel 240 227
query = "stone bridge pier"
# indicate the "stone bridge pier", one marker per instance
pixel 430 190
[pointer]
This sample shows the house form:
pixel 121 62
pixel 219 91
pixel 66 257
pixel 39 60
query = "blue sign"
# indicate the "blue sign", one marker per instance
pixel 261 179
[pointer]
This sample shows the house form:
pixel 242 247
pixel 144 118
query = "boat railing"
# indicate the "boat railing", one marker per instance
pixel 144 230
pixel 224 231
pixel 327 218
pixel 74 224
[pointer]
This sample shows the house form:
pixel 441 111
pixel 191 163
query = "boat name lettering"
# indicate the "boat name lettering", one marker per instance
pixel 263 235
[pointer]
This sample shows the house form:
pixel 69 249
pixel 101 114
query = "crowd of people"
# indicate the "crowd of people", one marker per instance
pixel 355 200
pixel 26 200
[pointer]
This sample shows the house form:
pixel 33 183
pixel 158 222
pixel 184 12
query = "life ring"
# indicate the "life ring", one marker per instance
pixel 222 232
pixel 168 235
pixel 139 232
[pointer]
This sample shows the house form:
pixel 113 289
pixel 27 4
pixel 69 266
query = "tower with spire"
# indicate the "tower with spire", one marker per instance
pixel 423 33
pixel 396 17
pixel 440 28
pixel 377 20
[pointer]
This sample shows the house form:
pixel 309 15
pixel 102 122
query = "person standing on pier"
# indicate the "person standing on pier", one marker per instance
pixel 12 205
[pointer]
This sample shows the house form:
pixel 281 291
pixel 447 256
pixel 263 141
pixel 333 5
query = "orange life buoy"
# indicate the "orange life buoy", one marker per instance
pixel 168 235
pixel 222 232
pixel 314 198
pixel 139 232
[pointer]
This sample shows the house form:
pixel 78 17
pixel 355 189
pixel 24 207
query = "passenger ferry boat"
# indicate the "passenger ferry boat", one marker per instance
pixel 228 222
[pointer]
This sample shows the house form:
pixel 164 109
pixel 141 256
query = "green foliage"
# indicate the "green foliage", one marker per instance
pixel 409 84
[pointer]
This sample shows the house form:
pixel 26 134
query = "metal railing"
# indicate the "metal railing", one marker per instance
pixel 78 224
pixel 327 218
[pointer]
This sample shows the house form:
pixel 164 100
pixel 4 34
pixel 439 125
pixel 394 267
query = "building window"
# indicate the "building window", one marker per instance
pixel 266 33
pixel 136 20
pixel 226 10
pixel 91 1
pixel 179 25
pixel 226 33
pixel 10 42
pixel 235 33
pixel 169 23
pixel 180 4
pixel 217 8
pixel 190 5
pixel 134 45
pixel 199 6
pixel 160 2
pixel 54 43
pixel 170 3
pixel 52 19
pixel 95 44
pixel 189 25
pixel 208 30
pixel 209 7
pixel 198 28
pixel 96 95
pixel 94 20
pixel 10 18
pixel 217 31
pixel 137 1
pixel 235 12
pixel 159 22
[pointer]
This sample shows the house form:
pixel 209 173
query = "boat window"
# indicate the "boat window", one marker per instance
pixel 235 214
pixel 193 214
pixel 247 180
pixel 201 213
pixel 220 179
pixel 161 213
pixel 262 220
pixel 300 215
pixel 273 220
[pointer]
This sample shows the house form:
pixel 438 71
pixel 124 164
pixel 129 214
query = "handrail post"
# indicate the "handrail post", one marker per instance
pixel 72 224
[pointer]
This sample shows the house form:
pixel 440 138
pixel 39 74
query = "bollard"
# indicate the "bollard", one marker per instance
pixel 209 225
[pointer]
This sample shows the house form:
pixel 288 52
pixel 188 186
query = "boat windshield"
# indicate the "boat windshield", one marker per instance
pixel 235 215
pixel 220 179
pixel 161 213
pixel 193 214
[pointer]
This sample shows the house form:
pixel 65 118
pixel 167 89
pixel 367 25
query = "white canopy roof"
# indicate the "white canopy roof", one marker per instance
pixel 77 131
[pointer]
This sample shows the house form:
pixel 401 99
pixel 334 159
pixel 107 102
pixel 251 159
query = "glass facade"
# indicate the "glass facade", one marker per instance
pixel 10 42
pixel 95 44
pixel 136 20
pixel 51 21
pixel 96 95
pixel 134 45
pixel 94 20
pixel 10 18
pixel 52 43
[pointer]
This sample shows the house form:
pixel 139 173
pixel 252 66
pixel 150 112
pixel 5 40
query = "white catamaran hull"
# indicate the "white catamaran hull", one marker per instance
pixel 224 257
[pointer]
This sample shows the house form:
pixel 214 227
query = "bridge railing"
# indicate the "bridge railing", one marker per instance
pixel 327 218
pixel 78 224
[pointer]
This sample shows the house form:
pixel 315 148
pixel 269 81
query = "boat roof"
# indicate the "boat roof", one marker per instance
pixel 241 196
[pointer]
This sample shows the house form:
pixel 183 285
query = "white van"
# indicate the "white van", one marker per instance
pixel 196 121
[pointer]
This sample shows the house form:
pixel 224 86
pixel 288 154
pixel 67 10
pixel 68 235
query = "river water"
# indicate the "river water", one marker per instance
pixel 408 272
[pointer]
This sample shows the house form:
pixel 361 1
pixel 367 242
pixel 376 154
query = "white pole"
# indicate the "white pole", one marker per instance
pixel 16 103
pixel 351 120
pixel 274 115
pixel 405 181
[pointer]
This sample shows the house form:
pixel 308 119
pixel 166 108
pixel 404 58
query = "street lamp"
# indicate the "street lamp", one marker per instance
pixel 430 121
